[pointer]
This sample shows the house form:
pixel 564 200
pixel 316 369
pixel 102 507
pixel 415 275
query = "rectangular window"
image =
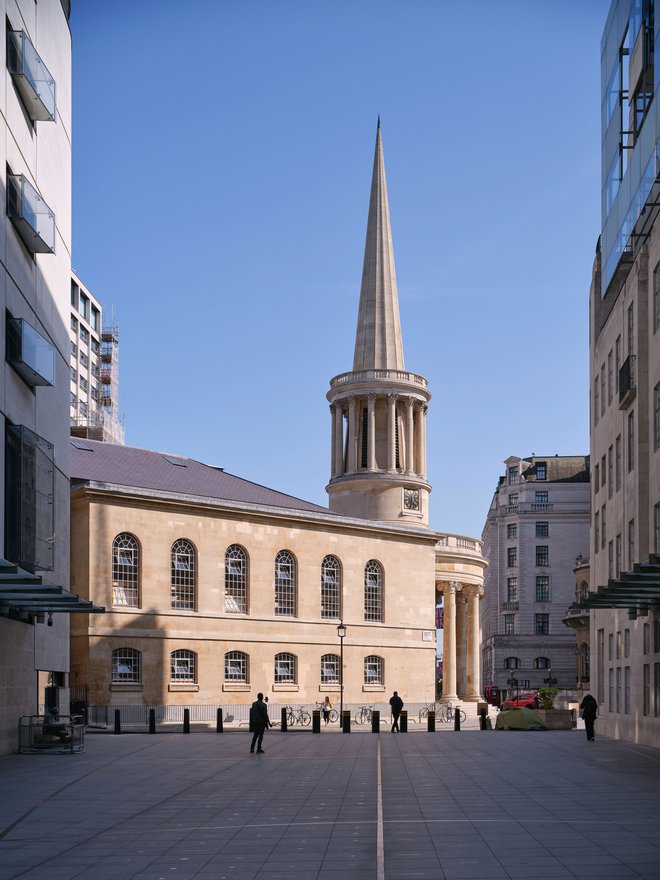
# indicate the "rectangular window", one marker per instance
pixel 84 360
pixel 541 624
pixel 619 646
pixel 600 684
pixel 656 417
pixel 656 636
pixel 646 639
pixel 603 400
pixel 603 528
pixel 618 689
pixel 617 362
pixel 631 544
pixel 541 529
pixel 611 691
pixel 646 688
pixel 656 690
pixel 610 647
pixel 656 523
pixel 541 470
pixel 617 469
pixel 597 531
pixel 512 589
pixel 84 334
pixel 617 556
pixel 512 530
pixel 631 330
pixel 83 384
pixel 540 497
pixel 610 377
pixel 610 559
pixel 513 499
pixel 596 478
pixel 610 472
pixel 509 624
pixel 512 557
pixel 626 643
pixel 513 475
pixel 603 472
pixel 542 588
pixel 74 323
pixel 596 401
pixel 626 690
pixel 543 555
pixel 656 298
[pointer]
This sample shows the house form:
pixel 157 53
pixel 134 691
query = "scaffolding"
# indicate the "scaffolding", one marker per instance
pixel 104 422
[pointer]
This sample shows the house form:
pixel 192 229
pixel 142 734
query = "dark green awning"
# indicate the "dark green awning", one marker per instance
pixel 23 593
pixel 634 590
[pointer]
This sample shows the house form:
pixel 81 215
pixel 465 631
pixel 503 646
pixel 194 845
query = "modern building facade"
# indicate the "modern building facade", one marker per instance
pixel 537 524
pixel 217 588
pixel 94 361
pixel 624 363
pixel 34 393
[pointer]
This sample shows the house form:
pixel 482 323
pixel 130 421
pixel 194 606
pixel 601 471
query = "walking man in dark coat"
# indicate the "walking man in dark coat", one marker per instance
pixel 589 709
pixel 396 704
pixel 259 721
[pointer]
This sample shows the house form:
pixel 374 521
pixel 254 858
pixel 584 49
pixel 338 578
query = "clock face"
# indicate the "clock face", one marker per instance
pixel 411 499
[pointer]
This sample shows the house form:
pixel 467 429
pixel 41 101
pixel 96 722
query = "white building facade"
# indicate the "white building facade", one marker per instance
pixel 537 525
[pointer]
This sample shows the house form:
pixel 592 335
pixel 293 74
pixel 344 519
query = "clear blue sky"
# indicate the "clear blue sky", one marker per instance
pixel 222 163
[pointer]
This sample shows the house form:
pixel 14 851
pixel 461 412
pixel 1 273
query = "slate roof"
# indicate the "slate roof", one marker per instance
pixel 93 461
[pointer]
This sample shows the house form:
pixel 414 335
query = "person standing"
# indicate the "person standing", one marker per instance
pixel 589 710
pixel 259 721
pixel 396 704
pixel 327 705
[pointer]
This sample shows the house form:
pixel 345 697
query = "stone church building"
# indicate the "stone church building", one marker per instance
pixel 216 588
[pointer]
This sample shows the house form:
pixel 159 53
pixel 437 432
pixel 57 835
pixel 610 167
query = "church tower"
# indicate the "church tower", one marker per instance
pixel 379 409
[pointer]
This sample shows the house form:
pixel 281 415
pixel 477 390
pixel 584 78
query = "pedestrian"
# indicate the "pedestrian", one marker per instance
pixel 537 700
pixel 327 705
pixel 396 704
pixel 259 721
pixel 589 710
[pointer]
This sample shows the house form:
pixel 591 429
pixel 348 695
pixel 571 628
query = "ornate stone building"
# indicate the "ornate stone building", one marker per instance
pixel 217 588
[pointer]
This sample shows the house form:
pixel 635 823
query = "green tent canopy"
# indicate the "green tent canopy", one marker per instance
pixel 519 719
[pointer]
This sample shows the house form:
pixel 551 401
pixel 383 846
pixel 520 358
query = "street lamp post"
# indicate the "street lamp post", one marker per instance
pixel 550 681
pixel 512 683
pixel 341 632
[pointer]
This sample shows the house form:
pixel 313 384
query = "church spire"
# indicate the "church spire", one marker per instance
pixel 378 343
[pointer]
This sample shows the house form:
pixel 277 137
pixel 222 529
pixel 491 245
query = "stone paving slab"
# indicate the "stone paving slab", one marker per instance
pixel 466 806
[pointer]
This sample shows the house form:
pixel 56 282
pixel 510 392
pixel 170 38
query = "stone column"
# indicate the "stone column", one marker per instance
pixel 474 644
pixel 371 432
pixel 461 645
pixel 337 439
pixel 391 432
pixel 351 464
pixel 410 437
pixel 449 642
pixel 422 441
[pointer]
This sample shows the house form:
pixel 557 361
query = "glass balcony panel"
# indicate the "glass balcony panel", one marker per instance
pixel 32 356
pixel 31 76
pixel 33 219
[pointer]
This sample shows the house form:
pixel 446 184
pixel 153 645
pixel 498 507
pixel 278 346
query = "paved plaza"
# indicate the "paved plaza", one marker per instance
pixel 470 804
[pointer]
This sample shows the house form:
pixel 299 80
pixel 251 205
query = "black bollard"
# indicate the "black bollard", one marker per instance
pixel 117 721
pixel 430 722
pixel 346 721
pixel 283 726
pixel 152 720
pixel 316 721
pixel 218 721
pixel 403 721
pixel 457 719
pixel 186 720
pixel 482 720
pixel 375 721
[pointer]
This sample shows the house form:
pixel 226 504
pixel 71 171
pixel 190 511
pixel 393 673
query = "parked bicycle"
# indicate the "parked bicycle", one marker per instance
pixel 448 714
pixel 297 715
pixel 424 711
pixel 363 715
pixel 334 714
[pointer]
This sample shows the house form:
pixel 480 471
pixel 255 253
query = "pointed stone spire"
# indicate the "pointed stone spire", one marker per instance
pixel 378 343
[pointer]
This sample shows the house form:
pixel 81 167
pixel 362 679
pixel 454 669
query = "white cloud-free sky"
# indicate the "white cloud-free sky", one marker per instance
pixel 222 164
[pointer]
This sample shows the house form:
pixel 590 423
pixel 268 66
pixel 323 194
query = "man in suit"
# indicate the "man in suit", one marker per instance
pixel 259 721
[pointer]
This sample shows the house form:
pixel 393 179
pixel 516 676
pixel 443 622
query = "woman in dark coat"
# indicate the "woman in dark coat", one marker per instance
pixel 589 709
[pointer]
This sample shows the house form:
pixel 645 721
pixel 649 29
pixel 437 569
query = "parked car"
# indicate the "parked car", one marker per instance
pixel 526 700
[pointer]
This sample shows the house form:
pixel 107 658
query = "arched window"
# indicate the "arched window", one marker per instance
pixel 374 670
pixel 584 590
pixel 125 571
pixel 541 663
pixel 330 669
pixel 236 581
pixel 373 591
pixel 331 587
pixel 183 575
pixel 285 585
pixel 237 669
pixel 286 669
pixel 584 661
pixel 512 663
pixel 183 666
pixel 126 666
